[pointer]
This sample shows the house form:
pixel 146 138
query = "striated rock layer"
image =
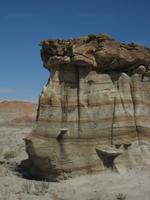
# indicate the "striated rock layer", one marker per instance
pixel 94 109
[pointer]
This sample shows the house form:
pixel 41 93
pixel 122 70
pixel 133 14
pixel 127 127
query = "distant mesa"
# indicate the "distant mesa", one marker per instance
pixel 17 112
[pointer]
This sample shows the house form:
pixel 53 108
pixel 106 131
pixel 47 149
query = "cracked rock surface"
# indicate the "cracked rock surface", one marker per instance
pixel 97 98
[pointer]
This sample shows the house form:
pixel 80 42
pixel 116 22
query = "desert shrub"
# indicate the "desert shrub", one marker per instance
pixel 41 188
pixel 9 154
pixel 120 196
pixel 27 186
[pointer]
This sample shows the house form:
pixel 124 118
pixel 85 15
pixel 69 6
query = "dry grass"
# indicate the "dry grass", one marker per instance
pixel 5 194
pixel 41 188
pixel 27 187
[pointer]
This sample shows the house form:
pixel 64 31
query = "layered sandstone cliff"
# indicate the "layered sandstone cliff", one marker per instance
pixel 94 112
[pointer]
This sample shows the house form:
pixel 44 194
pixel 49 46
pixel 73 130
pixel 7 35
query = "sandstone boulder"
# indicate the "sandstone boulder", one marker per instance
pixel 98 94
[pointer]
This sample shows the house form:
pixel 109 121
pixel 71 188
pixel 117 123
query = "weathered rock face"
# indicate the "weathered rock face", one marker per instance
pixel 94 106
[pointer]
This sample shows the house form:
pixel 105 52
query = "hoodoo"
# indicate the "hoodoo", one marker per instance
pixel 94 112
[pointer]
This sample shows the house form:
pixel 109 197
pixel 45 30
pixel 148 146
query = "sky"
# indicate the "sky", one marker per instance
pixel 24 23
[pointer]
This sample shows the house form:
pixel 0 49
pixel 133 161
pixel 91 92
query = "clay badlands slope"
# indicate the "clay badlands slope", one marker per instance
pixel 17 112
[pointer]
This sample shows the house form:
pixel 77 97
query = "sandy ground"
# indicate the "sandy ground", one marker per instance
pixel 131 185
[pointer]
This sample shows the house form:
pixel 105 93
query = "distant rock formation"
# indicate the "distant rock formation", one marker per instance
pixel 17 112
pixel 94 112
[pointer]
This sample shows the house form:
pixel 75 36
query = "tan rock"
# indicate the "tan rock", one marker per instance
pixel 140 70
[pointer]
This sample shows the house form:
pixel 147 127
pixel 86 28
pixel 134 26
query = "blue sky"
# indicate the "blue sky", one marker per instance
pixel 24 23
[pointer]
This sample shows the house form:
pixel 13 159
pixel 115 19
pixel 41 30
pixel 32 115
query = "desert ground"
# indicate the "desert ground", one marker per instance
pixel 133 184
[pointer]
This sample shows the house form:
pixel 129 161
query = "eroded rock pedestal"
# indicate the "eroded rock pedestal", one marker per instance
pixel 94 108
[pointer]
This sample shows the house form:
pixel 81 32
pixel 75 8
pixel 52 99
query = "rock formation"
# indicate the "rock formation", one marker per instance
pixel 94 109
pixel 17 113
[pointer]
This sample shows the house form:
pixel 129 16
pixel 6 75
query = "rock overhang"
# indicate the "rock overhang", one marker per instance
pixel 96 51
